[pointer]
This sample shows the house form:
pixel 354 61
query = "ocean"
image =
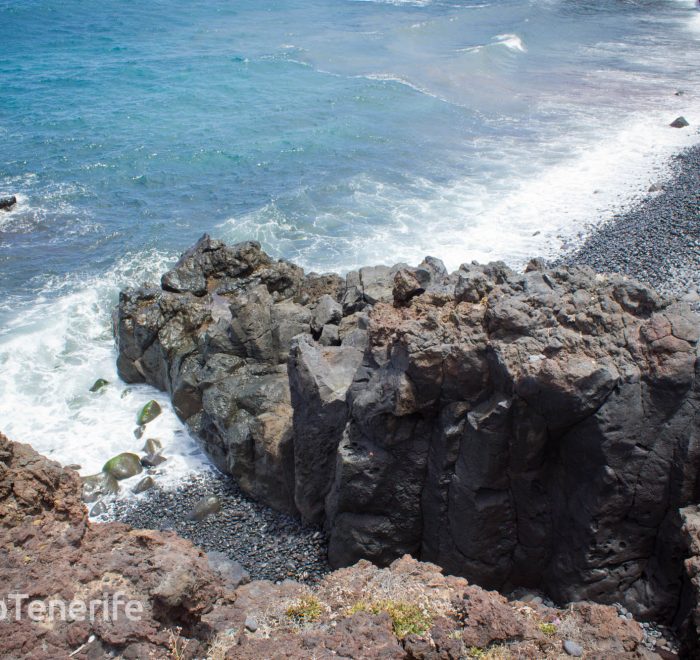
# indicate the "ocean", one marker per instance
pixel 338 133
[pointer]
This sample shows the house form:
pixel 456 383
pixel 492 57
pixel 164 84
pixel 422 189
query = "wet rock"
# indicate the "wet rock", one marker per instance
pixel 679 122
pixel 148 413
pixel 205 507
pixel 152 460
pixel 6 203
pixel 152 446
pixel 139 431
pixel 142 486
pixel 74 466
pixel 99 384
pixel 99 485
pixel 123 466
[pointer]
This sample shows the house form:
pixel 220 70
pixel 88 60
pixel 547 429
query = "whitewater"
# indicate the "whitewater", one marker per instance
pixel 337 133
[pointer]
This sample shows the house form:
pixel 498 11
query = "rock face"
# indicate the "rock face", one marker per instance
pixel 537 429
pixel 49 551
pixel 194 606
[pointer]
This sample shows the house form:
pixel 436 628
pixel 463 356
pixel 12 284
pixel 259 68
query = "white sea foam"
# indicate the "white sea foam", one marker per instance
pixel 50 355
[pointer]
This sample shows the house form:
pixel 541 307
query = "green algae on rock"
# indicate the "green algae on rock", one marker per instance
pixel 123 466
pixel 148 413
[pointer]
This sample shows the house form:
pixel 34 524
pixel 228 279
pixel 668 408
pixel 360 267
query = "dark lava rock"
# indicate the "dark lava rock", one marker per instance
pixel 6 203
pixel 529 429
pixel 99 384
pixel 679 122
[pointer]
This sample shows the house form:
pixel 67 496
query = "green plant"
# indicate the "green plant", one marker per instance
pixel 548 629
pixel 406 618
pixel 306 610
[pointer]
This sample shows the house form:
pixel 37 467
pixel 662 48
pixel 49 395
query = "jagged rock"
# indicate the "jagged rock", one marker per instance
pixel 406 286
pixel 533 429
pixel 680 122
pixel 51 552
pixel 327 311
pixel 188 609
pixel 6 203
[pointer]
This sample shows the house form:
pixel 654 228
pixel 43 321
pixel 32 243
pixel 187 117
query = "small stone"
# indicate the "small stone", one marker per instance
pixel 152 446
pixel 123 466
pixel 680 122
pixel 138 432
pixel 251 624
pixel 99 384
pixel 96 486
pixel 74 466
pixel 572 648
pixel 655 187
pixel 142 486
pixel 153 460
pixel 99 509
pixel 148 413
pixel 205 507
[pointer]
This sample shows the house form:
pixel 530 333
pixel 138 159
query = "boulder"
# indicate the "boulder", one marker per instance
pixel 148 413
pixel 99 485
pixel 123 466
pixel 6 203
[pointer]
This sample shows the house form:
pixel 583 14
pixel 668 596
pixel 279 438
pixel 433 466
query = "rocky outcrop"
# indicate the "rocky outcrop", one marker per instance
pixel 193 606
pixel 411 611
pixel 534 429
pixel 50 552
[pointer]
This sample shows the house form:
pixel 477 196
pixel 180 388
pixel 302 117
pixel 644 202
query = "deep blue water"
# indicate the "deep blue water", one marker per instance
pixel 337 132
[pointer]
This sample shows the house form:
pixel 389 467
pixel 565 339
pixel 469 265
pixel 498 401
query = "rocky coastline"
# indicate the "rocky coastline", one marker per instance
pixel 192 605
pixel 530 430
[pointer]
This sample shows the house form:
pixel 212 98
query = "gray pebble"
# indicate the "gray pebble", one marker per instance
pixel 572 648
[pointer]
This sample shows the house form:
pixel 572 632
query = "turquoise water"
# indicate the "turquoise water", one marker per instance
pixel 337 133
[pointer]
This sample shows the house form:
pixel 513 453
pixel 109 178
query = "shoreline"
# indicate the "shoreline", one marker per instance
pixel 269 545
pixel 656 241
